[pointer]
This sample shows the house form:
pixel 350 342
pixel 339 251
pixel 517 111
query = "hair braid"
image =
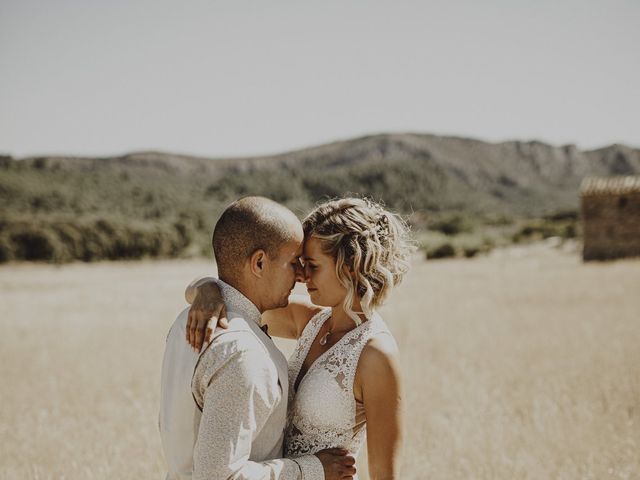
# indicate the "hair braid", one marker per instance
pixel 371 241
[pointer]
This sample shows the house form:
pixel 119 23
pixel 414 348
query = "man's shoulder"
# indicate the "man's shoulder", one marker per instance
pixel 180 323
pixel 237 343
pixel 238 354
pixel 176 343
pixel 238 336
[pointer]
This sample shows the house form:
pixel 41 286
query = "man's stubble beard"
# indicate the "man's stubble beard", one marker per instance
pixel 284 302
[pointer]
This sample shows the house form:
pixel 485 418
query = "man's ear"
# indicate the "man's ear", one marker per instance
pixel 257 262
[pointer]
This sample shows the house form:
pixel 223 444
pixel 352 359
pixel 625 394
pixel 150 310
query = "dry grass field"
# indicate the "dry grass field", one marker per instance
pixel 521 365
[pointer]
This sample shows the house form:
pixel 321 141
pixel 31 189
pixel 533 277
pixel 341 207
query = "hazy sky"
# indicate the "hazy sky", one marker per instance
pixel 233 77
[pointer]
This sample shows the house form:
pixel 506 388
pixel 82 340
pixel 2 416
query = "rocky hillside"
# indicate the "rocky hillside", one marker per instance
pixel 424 175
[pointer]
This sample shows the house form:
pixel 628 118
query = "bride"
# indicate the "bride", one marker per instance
pixel 344 370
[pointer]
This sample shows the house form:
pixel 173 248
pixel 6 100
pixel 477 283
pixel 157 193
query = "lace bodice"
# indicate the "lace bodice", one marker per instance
pixel 323 412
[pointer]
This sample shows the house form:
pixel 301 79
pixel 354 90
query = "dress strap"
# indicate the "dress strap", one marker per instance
pixel 355 345
pixel 304 344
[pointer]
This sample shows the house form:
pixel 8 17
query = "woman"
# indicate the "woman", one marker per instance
pixel 343 374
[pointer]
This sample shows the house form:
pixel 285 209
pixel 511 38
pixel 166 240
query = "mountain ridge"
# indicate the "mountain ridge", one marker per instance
pixel 157 204
pixel 152 152
pixel 442 172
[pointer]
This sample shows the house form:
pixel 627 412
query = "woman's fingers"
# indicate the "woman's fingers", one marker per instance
pixel 202 323
pixel 223 321
pixel 204 317
pixel 198 336
pixel 205 323
pixel 192 328
pixel 216 320
pixel 188 325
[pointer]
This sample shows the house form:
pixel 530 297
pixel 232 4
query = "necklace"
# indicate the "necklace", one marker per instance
pixel 325 337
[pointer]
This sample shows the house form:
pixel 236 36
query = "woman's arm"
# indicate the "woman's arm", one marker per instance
pixel 192 289
pixel 289 322
pixel 207 311
pixel 206 299
pixel 380 390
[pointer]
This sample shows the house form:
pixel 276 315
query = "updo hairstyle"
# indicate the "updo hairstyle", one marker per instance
pixel 370 241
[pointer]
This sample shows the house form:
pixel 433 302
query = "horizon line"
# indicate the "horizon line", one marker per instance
pixel 140 151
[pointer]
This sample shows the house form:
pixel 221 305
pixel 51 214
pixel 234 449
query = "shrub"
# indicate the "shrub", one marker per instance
pixel 5 162
pixel 498 220
pixel 6 250
pixel 538 229
pixel 570 231
pixel 453 225
pixel 474 246
pixel 71 238
pixel 470 252
pixel 33 243
pixel 563 215
pixel 445 250
pixel 91 240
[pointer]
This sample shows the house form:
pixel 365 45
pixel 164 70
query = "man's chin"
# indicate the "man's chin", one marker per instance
pixel 283 303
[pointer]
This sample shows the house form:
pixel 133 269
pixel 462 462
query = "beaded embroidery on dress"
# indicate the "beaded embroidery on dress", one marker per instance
pixel 323 412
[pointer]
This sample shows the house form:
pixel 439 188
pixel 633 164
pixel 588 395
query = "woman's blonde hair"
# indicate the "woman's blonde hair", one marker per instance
pixel 370 241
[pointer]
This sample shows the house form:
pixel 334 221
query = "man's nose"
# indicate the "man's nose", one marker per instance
pixel 300 276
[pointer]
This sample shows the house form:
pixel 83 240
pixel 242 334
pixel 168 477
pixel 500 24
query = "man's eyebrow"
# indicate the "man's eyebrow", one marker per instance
pixel 308 258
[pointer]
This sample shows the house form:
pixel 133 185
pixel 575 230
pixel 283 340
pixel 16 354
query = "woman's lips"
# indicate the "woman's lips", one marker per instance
pixel 311 289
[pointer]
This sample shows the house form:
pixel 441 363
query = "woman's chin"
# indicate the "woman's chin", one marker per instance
pixel 313 295
pixel 317 299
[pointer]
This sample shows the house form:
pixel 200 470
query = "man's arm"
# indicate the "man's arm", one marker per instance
pixel 237 391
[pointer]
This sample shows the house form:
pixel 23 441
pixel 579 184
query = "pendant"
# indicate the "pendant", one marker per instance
pixel 323 339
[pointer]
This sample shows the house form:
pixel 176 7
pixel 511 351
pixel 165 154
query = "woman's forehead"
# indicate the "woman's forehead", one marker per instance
pixel 312 248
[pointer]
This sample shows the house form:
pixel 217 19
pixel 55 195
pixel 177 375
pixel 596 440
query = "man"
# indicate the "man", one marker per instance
pixel 223 411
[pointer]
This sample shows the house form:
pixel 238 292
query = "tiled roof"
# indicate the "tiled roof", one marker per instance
pixel 610 185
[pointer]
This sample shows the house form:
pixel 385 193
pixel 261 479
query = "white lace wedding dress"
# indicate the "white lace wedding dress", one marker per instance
pixel 323 412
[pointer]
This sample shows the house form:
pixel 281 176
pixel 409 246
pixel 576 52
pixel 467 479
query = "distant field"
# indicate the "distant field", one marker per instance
pixel 521 365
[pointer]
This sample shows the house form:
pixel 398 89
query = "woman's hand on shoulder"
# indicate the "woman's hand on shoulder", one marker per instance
pixel 207 311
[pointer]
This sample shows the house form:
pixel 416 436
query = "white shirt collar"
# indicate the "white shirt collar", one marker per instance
pixel 236 302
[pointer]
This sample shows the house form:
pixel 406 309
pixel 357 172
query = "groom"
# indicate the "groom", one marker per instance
pixel 223 411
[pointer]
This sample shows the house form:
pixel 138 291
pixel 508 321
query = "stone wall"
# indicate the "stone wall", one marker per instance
pixel 611 225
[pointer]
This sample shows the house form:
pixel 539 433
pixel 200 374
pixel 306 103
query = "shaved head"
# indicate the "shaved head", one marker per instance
pixel 248 225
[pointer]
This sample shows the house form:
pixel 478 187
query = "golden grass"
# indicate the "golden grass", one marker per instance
pixel 521 365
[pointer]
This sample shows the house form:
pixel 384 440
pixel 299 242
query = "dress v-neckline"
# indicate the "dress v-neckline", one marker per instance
pixel 298 380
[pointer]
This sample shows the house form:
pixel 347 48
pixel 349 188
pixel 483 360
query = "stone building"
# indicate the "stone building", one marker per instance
pixel 611 217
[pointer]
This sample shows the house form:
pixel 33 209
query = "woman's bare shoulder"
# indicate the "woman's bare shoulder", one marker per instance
pixel 378 370
pixel 303 305
pixel 379 357
pixel 289 321
pixel 302 311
